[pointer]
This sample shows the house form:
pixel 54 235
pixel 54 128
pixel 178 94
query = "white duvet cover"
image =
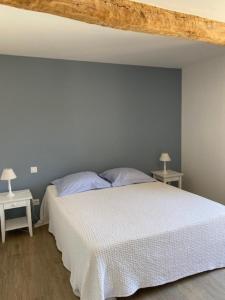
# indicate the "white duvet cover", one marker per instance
pixel 118 240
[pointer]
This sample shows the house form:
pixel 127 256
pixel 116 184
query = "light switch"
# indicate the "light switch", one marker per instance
pixel 33 170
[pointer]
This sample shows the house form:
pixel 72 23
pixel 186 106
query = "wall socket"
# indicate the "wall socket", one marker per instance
pixel 36 202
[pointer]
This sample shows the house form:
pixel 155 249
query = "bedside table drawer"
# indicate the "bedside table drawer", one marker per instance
pixel 171 179
pixel 15 204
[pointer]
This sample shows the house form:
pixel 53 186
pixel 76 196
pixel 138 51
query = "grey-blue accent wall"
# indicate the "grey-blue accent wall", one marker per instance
pixel 68 116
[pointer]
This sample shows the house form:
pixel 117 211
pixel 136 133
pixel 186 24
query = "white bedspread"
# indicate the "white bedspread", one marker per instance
pixel 115 241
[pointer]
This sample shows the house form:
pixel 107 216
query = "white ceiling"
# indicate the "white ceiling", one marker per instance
pixel 41 35
pixel 212 9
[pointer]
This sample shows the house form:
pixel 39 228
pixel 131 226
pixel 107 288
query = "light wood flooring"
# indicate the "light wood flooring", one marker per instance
pixel 32 269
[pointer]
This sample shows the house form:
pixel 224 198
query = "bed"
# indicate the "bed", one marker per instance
pixel 117 240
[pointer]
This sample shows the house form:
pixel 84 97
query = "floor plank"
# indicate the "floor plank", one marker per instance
pixel 32 269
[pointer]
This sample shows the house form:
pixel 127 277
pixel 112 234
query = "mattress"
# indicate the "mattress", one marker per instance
pixel 118 240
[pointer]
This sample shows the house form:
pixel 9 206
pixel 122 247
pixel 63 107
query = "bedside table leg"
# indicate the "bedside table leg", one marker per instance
pixel 2 216
pixel 29 220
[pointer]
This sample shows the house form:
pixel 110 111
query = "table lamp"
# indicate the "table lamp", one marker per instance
pixel 165 158
pixel 8 174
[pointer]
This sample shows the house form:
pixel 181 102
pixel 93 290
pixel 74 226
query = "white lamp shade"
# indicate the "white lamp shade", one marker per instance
pixel 8 174
pixel 165 157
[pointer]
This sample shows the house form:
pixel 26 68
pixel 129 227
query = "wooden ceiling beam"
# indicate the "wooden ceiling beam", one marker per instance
pixel 129 15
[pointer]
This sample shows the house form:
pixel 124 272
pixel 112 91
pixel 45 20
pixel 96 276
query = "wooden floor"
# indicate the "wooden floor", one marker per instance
pixel 31 269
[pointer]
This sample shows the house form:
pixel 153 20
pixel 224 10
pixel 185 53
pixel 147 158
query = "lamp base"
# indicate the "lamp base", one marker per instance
pixel 164 169
pixel 10 195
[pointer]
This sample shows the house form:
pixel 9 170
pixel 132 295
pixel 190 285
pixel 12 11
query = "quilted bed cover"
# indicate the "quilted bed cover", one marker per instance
pixel 117 240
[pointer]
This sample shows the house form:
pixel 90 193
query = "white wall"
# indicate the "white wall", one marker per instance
pixel 203 128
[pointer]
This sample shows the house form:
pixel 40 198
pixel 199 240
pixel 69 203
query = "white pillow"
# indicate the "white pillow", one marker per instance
pixel 125 176
pixel 79 182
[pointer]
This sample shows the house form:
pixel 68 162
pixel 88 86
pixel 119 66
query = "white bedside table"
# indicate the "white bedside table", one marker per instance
pixel 21 199
pixel 168 177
